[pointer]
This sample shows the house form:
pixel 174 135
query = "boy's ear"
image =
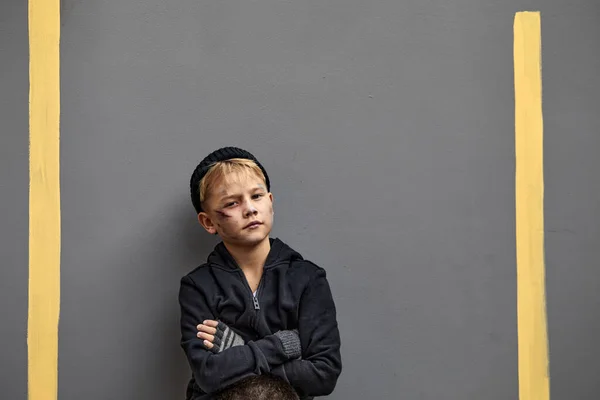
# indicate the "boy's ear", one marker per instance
pixel 207 223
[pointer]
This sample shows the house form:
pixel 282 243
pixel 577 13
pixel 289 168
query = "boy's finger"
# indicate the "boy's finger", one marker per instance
pixel 208 344
pixel 206 336
pixel 211 323
pixel 207 329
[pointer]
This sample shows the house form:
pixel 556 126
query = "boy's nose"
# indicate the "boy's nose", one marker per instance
pixel 251 210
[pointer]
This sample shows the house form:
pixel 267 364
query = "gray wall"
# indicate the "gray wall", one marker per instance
pixel 14 195
pixel 387 129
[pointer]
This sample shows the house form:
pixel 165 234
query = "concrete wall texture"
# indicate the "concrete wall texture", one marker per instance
pixel 387 128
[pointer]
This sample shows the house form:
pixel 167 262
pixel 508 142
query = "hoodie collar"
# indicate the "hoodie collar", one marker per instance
pixel 280 252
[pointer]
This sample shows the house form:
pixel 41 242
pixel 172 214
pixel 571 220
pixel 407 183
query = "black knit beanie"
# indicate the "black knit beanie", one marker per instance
pixel 222 154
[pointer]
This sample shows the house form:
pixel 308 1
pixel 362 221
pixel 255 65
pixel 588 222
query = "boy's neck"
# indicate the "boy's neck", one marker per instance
pixel 250 259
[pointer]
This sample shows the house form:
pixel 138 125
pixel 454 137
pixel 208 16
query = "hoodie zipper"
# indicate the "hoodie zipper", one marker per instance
pixel 259 288
pixel 255 297
pixel 255 301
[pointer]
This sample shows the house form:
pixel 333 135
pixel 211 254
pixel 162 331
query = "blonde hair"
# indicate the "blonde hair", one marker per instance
pixel 234 170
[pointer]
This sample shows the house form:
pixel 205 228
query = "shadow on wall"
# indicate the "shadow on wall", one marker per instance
pixel 171 245
pixel 66 6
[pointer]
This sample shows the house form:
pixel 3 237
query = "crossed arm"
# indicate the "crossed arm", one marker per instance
pixel 218 337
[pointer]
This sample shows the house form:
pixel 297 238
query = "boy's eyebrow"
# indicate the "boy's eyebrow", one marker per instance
pixel 225 195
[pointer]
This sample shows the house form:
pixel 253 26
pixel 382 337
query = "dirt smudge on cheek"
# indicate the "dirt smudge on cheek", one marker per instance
pixel 223 215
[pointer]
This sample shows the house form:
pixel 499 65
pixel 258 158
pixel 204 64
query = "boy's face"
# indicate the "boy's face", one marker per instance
pixel 240 212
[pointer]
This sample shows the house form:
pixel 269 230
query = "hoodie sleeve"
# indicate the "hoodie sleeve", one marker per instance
pixel 213 372
pixel 316 374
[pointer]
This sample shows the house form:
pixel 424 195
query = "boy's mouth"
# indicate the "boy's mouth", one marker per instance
pixel 253 223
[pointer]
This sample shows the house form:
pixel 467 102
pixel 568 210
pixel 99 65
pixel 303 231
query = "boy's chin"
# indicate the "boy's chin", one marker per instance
pixel 251 240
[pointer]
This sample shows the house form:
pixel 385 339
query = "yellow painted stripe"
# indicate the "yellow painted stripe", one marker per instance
pixel 531 301
pixel 44 199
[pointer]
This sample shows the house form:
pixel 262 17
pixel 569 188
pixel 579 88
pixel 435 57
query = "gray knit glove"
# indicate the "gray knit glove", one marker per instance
pixel 225 338
pixel 291 343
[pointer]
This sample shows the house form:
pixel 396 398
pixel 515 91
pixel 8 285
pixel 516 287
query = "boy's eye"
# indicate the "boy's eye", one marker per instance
pixel 230 204
pixel 257 196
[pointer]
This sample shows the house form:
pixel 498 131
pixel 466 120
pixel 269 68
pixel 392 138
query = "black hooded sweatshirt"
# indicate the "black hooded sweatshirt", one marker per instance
pixel 293 293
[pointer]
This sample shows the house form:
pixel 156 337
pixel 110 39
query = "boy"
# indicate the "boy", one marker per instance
pixel 256 306
pixel 259 387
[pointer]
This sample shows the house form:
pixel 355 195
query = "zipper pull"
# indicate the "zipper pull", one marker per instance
pixel 256 304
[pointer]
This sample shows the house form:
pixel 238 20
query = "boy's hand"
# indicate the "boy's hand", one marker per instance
pixel 218 336
pixel 206 331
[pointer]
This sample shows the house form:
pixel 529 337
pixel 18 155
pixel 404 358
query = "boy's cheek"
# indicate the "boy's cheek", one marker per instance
pixel 223 214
